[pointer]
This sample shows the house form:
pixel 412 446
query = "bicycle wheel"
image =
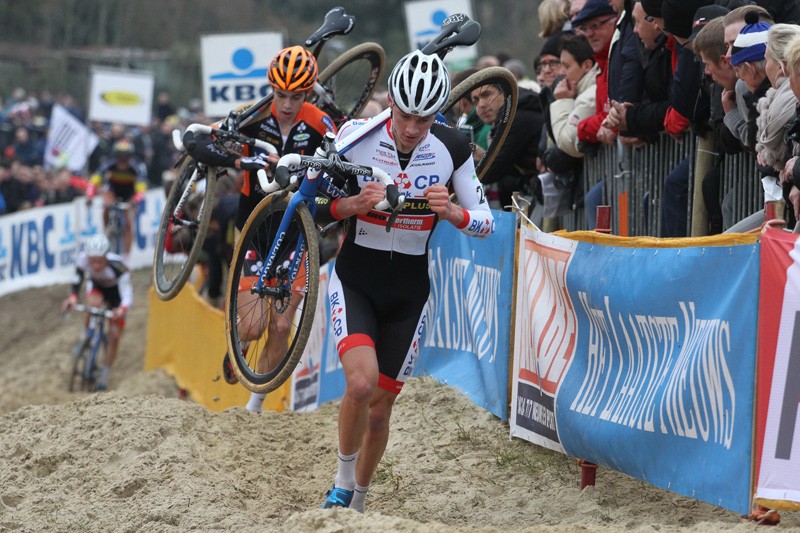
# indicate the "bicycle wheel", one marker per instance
pixel 77 380
pixel 115 230
pixel 351 79
pixel 182 230
pixel 267 332
pixel 503 80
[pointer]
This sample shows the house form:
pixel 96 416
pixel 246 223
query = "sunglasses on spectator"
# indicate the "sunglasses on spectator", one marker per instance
pixel 585 28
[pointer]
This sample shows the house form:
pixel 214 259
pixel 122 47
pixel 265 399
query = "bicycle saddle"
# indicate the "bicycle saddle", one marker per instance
pixel 336 22
pixel 457 30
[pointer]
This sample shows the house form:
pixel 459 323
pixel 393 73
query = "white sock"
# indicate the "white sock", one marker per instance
pixel 255 403
pixel 346 473
pixel 359 495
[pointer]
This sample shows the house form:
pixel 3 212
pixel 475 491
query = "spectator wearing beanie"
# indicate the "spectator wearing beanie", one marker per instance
pixel 547 64
pixel 747 59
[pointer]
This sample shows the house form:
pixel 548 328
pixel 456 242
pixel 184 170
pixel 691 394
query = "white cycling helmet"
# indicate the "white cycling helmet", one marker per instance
pixel 97 246
pixel 419 84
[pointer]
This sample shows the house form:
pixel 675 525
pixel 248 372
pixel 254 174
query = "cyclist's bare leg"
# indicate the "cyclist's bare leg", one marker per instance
pixel 108 200
pixel 279 328
pixel 127 237
pixel 114 334
pixel 253 315
pixel 360 366
pixel 376 435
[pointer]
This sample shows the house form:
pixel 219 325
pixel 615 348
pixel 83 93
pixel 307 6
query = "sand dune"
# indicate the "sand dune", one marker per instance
pixel 139 459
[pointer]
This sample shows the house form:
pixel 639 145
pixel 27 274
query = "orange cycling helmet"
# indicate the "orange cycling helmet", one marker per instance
pixel 293 69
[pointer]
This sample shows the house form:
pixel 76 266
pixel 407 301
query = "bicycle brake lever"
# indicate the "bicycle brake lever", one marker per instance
pixel 397 201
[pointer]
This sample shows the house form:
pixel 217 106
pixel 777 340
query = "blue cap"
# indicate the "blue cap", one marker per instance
pixel 593 9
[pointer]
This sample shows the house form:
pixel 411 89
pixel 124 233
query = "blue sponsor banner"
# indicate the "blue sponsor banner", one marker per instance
pixel 661 385
pixel 466 342
pixel 40 246
pixel 467 331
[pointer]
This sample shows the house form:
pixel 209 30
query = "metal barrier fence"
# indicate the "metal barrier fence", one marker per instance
pixel 634 182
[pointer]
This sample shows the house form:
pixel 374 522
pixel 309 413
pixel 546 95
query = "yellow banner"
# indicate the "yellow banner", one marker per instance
pixel 186 338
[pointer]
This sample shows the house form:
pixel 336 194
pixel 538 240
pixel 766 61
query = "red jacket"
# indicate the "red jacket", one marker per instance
pixel 588 127
pixel 674 122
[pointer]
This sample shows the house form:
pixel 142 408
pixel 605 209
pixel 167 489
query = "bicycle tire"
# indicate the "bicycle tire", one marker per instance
pixel 352 78
pixel 90 376
pixel 170 269
pixel 79 363
pixel 246 317
pixel 507 83
pixel 115 231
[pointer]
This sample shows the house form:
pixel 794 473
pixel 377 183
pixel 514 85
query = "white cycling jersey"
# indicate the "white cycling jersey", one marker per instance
pixel 442 157
pixel 114 275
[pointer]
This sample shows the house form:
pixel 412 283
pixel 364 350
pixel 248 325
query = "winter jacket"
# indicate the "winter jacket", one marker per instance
pixel 517 156
pixel 566 113
pixel 646 120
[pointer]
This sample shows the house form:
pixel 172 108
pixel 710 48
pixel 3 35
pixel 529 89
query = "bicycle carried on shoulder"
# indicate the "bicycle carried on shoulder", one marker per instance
pixel 91 347
pixel 342 90
pixel 273 279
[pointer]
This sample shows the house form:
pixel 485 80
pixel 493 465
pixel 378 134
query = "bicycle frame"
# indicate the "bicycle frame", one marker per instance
pixel 95 335
pixel 306 193
pixel 456 30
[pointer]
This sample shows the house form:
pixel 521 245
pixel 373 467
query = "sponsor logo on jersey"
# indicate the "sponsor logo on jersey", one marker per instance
pixel 336 313
pixel 422 157
pixel 387 145
pixel 384 153
pixel 302 137
pixel 402 181
pixel 328 123
pixel 421 182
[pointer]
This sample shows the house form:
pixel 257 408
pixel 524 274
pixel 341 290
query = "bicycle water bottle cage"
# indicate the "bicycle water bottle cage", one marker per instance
pixel 336 22
pixel 457 30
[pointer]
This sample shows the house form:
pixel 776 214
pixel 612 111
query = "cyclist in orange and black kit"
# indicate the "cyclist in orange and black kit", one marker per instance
pixel 122 178
pixel 291 125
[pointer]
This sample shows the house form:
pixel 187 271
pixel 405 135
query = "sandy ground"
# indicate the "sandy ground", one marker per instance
pixel 138 459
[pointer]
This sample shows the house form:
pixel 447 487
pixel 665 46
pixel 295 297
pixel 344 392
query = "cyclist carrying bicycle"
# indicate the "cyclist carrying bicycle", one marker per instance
pixel 123 178
pixel 109 283
pixel 380 283
pixel 291 125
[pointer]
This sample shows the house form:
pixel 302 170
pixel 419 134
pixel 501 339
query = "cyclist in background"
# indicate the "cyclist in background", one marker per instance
pixel 123 178
pixel 109 284
pixel 291 125
pixel 380 283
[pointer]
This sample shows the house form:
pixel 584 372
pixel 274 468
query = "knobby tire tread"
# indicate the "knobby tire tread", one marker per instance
pixel 274 203
pixel 166 289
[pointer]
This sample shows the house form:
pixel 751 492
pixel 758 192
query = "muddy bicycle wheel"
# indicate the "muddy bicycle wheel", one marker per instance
pixel 505 94
pixel 351 79
pixel 184 223
pixel 267 330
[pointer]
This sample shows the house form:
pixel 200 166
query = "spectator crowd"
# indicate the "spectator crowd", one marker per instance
pixel 25 180
pixel 609 73
pixel 630 72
